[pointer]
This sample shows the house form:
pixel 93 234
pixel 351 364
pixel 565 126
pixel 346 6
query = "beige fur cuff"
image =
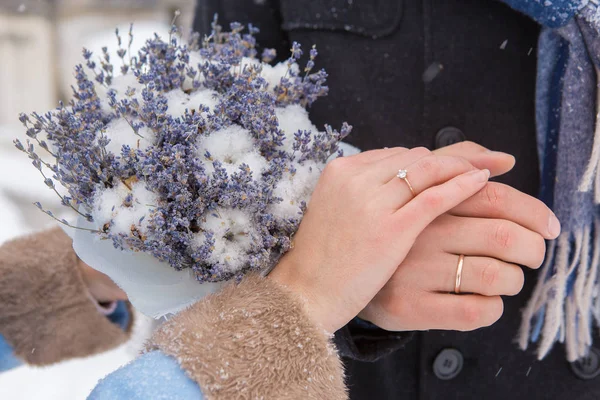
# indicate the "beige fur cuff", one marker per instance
pixel 46 312
pixel 253 341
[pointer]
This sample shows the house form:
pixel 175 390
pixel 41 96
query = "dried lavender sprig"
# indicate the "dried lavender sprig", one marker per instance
pixel 63 221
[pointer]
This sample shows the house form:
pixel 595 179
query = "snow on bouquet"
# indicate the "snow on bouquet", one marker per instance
pixel 189 166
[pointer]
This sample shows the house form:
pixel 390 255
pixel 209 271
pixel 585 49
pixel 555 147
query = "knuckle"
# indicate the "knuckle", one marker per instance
pixel 476 314
pixel 335 167
pixel 490 274
pixel 464 163
pixel 501 236
pixel 494 195
pixel 432 200
pixel 428 165
pixel 397 307
pixel 470 315
pixel 419 152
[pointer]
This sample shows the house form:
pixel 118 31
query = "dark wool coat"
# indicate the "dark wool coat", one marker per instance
pixel 428 73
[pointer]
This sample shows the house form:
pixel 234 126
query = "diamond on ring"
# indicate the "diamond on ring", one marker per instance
pixel 403 174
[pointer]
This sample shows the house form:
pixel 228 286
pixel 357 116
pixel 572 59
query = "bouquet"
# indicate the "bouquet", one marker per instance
pixel 187 164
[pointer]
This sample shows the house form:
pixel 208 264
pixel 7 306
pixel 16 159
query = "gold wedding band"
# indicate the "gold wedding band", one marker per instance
pixel 459 268
pixel 403 174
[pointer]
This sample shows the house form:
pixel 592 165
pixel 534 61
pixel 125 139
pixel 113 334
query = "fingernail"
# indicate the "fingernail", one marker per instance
pixel 553 226
pixel 481 175
pixel 496 152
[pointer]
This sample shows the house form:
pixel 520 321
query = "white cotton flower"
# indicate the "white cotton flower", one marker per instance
pixel 232 146
pixel 291 119
pixel 121 133
pixel 178 101
pixel 234 233
pixel 248 62
pixel 196 62
pixel 119 84
pixel 273 74
pixel 295 189
pixel 205 97
pixel 112 205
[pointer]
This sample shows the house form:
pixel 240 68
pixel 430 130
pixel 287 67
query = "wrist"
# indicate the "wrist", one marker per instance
pixel 288 276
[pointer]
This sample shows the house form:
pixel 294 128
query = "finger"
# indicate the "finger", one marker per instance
pixel 426 172
pixel 384 169
pixel 480 275
pixel 501 201
pixel 496 238
pixel 376 155
pixel 457 312
pixel 410 220
pixel 497 162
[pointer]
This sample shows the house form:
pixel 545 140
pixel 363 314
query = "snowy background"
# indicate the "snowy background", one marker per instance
pixel 40 42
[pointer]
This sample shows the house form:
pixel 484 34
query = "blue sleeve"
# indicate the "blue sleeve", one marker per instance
pixel 154 376
pixel 552 14
pixel 7 358
pixel 120 317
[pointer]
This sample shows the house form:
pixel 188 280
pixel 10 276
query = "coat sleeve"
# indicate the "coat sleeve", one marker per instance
pixel 120 315
pixel 153 375
pixel 363 341
pixel 250 340
pixel 46 312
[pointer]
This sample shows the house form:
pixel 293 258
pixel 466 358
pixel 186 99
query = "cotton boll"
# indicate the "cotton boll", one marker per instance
pixel 249 62
pixel 289 207
pixel 178 101
pixel 123 82
pixel 112 205
pixel 232 146
pixel 273 74
pixel 144 201
pixel 234 235
pixel 119 84
pixel 291 119
pixel 106 204
pixel 206 97
pixel 120 133
pixel 295 189
pixel 196 62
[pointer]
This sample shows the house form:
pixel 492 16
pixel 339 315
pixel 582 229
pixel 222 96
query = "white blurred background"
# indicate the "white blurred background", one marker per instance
pixel 40 42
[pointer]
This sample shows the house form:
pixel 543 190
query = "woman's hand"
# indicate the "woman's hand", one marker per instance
pixel 497 230
pixel 362 221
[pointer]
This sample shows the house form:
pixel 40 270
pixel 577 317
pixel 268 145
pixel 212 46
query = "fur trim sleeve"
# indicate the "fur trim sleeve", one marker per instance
pixel 46 312
pixel 253 340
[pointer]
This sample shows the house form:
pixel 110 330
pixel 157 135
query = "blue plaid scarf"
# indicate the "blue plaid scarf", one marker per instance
pixel 565 305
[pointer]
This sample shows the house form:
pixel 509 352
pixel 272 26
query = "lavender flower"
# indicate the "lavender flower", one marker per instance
pixel 197 153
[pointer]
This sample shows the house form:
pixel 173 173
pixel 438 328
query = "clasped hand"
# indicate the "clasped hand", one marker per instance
pixel 368 247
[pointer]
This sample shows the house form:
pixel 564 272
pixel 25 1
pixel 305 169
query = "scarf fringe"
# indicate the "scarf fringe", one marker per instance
pixel 565 301
pixel 591 176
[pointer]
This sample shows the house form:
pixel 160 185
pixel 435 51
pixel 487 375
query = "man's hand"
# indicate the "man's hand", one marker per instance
pixel 497 230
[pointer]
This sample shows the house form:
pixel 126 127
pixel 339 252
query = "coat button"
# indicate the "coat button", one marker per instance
pixel 588 367
pixel 447 136
pixel 448 364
